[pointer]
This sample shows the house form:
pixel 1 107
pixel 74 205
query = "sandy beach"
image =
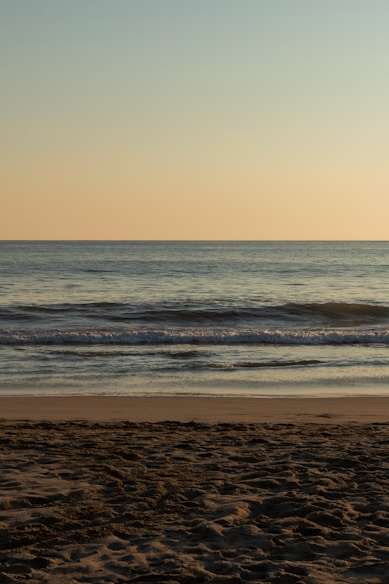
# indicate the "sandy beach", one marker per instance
pixel 179 490
pixel 197 409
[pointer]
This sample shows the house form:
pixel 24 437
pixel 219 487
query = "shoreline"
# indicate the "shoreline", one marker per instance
pixel 342 410
pixel 185 490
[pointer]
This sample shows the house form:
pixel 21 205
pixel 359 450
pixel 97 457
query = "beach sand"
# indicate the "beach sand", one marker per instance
pixel 181 490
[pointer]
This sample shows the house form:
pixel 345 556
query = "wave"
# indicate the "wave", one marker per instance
pixel 341 313
pixel 203 365
pixel 341 310
pixel 196 337
pixel 269 364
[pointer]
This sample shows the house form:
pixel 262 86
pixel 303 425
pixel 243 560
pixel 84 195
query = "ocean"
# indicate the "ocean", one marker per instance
pixel 249 319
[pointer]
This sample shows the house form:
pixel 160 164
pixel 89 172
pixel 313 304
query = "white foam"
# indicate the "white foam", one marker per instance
pixel 204 336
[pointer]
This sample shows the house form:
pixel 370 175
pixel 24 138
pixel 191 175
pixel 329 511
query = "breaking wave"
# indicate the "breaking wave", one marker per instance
pixel 196 337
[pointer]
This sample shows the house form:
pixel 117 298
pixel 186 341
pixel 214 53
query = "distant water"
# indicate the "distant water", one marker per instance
pixel 194 318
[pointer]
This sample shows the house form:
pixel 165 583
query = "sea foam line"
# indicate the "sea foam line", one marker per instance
pixel 196 336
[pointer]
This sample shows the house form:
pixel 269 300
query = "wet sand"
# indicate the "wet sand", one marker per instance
pixel 187 409
pixel 216 491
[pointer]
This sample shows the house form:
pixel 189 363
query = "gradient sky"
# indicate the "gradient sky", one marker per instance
pixel 194 119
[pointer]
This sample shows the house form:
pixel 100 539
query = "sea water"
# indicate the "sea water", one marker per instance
pixel 194 318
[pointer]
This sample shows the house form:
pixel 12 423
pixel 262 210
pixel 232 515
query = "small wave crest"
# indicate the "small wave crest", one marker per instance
pixel 269 364
pixel 298 363
pixel 341 310
pixel 196 337
pixel 207 313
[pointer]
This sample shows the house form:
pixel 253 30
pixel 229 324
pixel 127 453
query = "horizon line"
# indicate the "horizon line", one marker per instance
pixel 194 240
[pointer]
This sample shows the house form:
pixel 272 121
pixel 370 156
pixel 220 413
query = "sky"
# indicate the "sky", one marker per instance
pixel 194 119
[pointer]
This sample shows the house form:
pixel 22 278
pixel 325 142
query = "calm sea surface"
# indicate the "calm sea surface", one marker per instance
pixel 194 318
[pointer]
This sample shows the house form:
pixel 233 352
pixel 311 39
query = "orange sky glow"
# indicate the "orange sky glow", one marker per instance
pixel 194 120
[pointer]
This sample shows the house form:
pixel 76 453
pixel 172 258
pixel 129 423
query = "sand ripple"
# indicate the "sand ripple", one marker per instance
pixel 192 503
